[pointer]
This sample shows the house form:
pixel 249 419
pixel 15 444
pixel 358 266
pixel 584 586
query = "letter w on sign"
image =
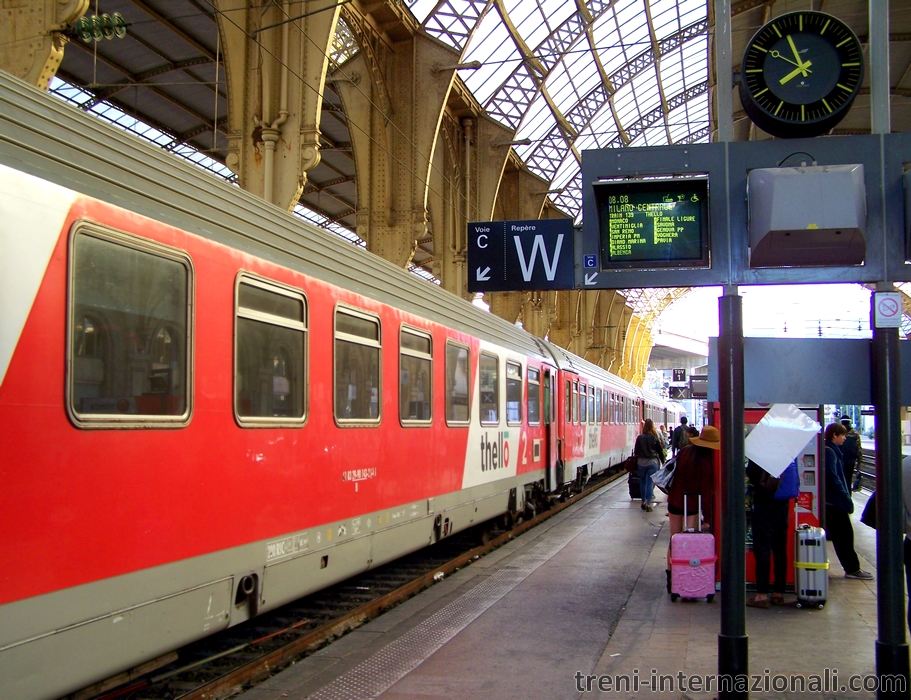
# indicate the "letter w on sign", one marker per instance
pixel 550 264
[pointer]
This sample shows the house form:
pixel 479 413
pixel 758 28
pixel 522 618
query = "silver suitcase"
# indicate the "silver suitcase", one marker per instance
pixel 812 567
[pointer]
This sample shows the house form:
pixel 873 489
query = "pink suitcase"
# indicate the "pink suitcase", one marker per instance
pixel 693 563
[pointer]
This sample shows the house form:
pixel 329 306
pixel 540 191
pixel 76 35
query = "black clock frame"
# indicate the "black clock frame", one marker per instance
pixel 800 73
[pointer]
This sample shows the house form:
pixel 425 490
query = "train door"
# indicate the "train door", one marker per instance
pixel 552 479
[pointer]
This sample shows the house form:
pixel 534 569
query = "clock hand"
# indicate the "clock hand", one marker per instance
pixel 777 54
pixel 802 69
pixel 796 54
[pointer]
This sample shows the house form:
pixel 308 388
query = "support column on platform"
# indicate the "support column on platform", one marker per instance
pixel 633 337
pixel 642 351
pixel 32 40
pixel 275 71
pixel 395 113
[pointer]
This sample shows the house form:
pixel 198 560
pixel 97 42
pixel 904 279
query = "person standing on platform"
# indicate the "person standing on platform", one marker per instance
pixel 678 437
pixel 771 506
pixel 649 456
pixel 839 505
pixel 694 474
pixel 662 434
pixel 853 454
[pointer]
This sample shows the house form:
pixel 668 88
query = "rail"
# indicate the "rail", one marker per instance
pixel 220 665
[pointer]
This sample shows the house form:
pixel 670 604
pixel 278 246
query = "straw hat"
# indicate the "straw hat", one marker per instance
pixel 709 437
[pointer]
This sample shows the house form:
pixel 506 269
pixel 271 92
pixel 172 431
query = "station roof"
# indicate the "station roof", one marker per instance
pixel 565 77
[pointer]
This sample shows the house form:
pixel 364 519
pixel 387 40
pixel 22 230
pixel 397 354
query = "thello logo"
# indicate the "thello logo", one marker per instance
pixel 494 454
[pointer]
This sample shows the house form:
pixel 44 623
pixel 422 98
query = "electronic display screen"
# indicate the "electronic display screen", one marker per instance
pixel 653 223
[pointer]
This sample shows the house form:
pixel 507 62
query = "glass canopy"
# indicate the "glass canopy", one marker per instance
pixel 568 77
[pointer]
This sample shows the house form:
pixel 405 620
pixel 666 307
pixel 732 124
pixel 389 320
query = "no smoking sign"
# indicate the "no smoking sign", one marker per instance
pixel 887 310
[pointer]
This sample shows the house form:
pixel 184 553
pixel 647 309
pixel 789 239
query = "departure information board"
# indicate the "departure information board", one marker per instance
pixel 653 223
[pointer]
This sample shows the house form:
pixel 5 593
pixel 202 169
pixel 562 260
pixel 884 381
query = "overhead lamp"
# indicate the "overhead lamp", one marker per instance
pixel 438 68
pixel 496 143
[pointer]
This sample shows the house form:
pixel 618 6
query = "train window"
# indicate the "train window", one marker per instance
pixel 129 342
pixel 490 389
pixel 591 404
pixel 457 407
pixel 583 403
pixel 415 377
pixel 534 397
pixel 513 393
pixel 576 401
pixel 358 388
pixel 270 354
pixel 598 407
pixel 548 416
pixel 568 402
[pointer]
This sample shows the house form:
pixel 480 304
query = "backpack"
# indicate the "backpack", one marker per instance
pixel 680 439
pixel 788 483
pixel 850 450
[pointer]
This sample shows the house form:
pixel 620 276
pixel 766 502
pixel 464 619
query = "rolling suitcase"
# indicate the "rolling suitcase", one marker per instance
pixel 693 561
pixel 634 490
pixel 812 567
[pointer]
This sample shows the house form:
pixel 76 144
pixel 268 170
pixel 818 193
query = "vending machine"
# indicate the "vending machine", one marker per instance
pixel 806 508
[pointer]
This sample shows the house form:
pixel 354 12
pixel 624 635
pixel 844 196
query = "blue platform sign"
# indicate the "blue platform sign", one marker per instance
pixel 515 256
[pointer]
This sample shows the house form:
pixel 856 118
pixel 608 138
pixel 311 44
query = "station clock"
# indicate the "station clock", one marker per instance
pixel 800 73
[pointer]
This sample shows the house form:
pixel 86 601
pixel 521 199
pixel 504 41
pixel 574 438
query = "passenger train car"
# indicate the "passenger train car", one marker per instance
pixel 211 408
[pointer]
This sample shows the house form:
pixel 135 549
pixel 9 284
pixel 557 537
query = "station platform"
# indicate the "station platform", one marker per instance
pixel 579 603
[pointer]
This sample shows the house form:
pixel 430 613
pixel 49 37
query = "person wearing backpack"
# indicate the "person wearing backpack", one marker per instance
pixel 853 454
pixel 679 439
pixel 771 506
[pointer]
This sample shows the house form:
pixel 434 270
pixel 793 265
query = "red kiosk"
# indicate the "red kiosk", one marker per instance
pixel 807 505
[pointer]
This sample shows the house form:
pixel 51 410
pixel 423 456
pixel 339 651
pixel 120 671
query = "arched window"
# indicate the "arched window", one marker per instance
pixel 88 363
pixel 282 380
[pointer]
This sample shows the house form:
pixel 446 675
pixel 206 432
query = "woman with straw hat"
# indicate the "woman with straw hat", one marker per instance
pixel 694 474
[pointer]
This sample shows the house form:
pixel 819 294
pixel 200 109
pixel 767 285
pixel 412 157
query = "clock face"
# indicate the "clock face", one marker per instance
pixel 800 74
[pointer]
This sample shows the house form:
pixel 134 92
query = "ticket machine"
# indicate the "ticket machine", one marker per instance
pixel 806 506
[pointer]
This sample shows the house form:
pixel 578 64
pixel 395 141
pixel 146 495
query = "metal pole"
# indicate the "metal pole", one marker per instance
pixel 880 87
pixel 733 643
pixel 724 72
pixel 891 648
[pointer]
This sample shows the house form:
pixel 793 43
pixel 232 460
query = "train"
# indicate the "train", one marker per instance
pixel 211 408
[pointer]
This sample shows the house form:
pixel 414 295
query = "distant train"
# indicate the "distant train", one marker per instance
pixel 211 408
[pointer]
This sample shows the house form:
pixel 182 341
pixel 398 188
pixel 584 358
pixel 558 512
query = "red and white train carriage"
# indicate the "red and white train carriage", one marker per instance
pixel 210 408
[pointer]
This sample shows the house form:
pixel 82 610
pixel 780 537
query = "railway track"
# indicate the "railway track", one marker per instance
pixel 868 471
pixel 222 665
